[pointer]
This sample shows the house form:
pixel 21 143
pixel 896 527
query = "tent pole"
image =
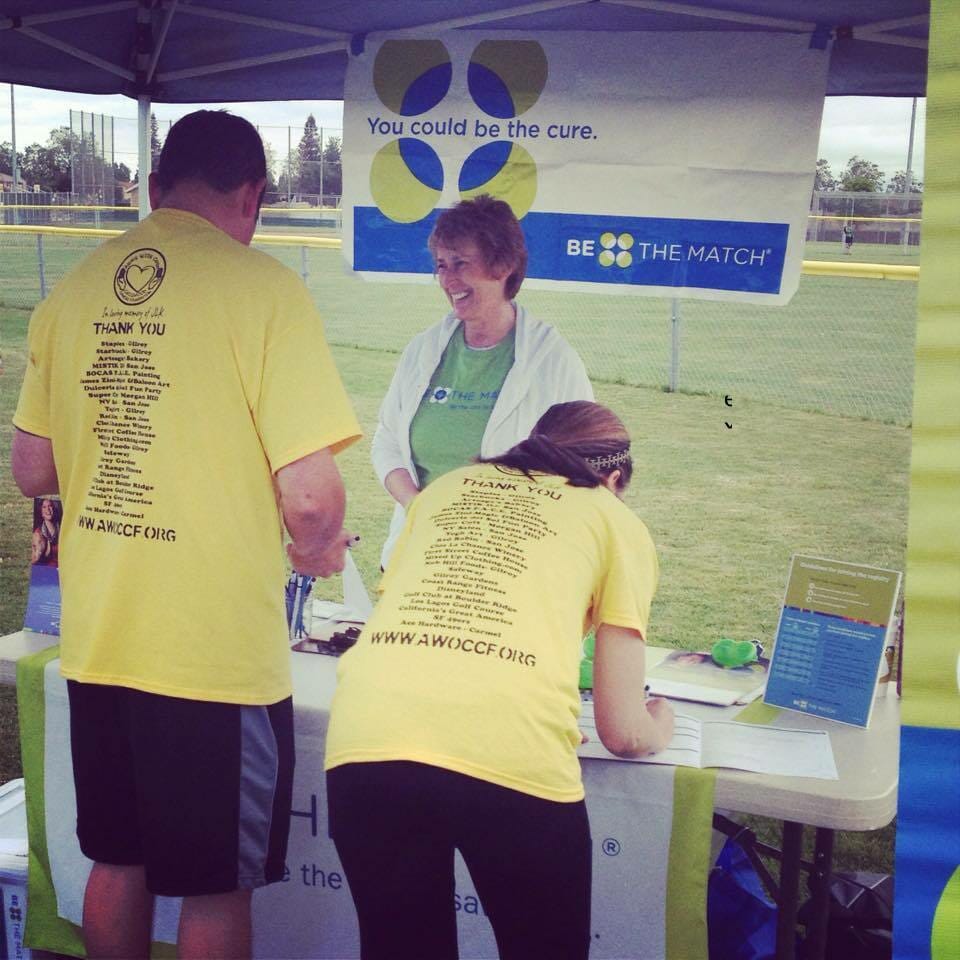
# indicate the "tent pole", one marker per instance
pixel 270 24
pixel 144 158
pixel 280 57
pixel 73 51
pixel 492 16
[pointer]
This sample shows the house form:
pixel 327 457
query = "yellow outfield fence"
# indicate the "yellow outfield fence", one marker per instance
pixel 868 271
pixel 842 219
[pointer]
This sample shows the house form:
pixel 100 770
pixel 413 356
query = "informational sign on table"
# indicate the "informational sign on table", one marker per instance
pixel 662 164
pixel 836 622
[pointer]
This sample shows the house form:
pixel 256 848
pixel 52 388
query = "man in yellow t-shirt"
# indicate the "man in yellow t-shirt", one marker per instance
pixel 181 397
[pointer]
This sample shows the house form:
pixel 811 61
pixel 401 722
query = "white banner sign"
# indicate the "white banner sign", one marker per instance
pixel 657 163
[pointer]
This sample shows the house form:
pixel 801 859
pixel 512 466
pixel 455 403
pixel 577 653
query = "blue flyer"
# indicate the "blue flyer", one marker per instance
pixel 43 600
pixel 836 622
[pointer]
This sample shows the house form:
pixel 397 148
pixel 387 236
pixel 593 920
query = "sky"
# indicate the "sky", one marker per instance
pixel 874 128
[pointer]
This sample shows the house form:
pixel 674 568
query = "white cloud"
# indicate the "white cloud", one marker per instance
pixel 40 111
pixel 875 128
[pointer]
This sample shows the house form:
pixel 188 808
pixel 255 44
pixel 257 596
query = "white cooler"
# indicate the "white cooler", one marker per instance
pixel 13 871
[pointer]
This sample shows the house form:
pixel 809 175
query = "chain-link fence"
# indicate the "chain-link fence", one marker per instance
pixel 37 207
pixel 843 345
pixel 305 168
pixel 887 220
pixel 92 172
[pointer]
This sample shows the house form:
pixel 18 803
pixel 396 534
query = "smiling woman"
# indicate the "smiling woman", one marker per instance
pixel 475 383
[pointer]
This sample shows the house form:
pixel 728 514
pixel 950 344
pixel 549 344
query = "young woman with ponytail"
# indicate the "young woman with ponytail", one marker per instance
pixel 454 723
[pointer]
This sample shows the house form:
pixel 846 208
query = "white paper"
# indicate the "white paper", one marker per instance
pixel 325 615
pixel 726 743
pixel 355 595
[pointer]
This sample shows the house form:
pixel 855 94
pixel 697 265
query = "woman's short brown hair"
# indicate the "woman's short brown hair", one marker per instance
pixel 492 226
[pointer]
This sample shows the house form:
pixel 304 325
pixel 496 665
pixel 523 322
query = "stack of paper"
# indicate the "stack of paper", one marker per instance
pixel 726 743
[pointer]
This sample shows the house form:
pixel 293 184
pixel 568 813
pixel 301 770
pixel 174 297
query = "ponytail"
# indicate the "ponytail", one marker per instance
pixel 541 455
pixel 581 441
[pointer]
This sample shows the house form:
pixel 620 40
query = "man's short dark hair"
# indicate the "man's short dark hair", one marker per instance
pixel 217 147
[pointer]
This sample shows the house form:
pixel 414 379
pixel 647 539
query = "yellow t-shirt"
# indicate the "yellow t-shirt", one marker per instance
pixel 175 371
pixel 470 660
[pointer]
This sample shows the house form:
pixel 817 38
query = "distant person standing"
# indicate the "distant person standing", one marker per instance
pixel 179 391
pixel 847 237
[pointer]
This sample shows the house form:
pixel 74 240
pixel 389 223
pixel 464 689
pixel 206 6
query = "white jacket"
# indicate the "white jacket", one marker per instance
pixel 546 370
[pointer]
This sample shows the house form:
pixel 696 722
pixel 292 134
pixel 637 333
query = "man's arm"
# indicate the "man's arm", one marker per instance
pixel 313 501
pixel 32 464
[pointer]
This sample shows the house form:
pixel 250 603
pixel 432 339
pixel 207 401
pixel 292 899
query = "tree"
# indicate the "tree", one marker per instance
pixel 309 146
pixel 121 175
pixel 332 168
pixel 289 180
pixel 49 166
pixel 861 176
pixel 899 181
pixel 823 178
pixel 155 144
pixel 309 154
pixel 272 186
pixel 6 157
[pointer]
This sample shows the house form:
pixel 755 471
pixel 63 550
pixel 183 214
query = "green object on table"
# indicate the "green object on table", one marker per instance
pixel 734 653
pixel 586 662
pixel 586 674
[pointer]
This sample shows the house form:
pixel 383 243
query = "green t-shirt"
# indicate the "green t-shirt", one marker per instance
pixel 448 427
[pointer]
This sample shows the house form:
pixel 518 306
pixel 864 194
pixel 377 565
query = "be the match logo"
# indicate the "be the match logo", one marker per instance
pixel 623 250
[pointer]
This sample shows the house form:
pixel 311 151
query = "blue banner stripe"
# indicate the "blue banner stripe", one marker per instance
pixel 651 251
pixel 928 834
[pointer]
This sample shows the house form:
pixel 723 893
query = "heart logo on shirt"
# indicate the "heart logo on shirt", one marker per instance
pixel 139 276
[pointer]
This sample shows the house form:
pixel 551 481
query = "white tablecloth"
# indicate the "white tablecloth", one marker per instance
pixel 632 813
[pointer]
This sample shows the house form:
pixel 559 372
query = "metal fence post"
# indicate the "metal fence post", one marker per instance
pixel 303 264
pixel 41 266
pixel 674 345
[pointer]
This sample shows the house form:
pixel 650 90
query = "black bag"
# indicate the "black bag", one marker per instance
pixel 860 926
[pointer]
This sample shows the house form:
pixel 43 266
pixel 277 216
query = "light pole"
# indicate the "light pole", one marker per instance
pixel 908 177
pixel 13 142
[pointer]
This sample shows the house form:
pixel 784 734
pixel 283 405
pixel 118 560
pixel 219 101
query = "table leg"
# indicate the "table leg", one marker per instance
pixel 816 939
pixel 789 890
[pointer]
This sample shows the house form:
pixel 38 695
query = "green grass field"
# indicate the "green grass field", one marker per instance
pixel 726 507
pixel 841 346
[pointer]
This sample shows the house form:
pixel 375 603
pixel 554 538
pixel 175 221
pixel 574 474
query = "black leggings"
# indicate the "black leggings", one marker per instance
pixel 396 825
